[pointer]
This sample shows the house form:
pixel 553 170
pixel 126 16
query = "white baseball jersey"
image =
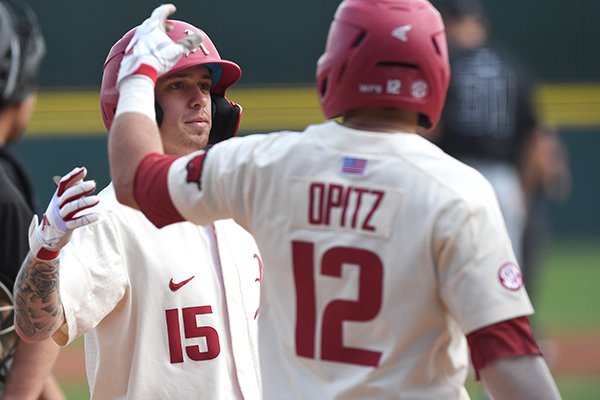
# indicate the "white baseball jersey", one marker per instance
pixel 381 252
pixel 167 313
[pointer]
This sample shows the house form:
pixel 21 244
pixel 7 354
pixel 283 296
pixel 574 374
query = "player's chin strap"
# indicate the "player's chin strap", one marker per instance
pixel 226 116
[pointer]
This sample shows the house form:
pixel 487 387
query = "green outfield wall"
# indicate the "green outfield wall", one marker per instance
pixel 277 43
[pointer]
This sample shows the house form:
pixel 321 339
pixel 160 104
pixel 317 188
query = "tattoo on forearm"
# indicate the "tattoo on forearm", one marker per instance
pixel 37 297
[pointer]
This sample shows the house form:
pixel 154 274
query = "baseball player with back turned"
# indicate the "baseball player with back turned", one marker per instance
pixel 375 242
pixel 166 313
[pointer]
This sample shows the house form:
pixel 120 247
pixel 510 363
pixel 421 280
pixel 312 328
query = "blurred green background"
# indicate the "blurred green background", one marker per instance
pixel 567 321
pixel 277 43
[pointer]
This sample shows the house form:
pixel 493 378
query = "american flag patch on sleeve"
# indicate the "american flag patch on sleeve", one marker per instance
pixel 354 165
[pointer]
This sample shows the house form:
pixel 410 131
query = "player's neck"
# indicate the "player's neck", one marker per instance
pixel 14 119
pixel 382 120
pixel 6 123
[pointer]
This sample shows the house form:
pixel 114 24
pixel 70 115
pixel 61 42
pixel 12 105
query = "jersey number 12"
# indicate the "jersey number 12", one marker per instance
pixel 365 308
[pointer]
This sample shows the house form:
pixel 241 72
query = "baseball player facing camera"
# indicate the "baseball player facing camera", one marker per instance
pixel 375 242
pixel 165 313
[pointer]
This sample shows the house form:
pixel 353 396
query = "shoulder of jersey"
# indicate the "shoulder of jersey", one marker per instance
pixel 460 179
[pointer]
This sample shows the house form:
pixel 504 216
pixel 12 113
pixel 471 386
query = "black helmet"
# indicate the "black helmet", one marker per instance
pixel 22 48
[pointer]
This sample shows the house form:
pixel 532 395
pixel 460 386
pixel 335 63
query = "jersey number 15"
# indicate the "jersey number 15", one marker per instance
pixel 191 330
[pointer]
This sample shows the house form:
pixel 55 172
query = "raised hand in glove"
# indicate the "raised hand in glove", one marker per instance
pixel 73 195
pixel 151 51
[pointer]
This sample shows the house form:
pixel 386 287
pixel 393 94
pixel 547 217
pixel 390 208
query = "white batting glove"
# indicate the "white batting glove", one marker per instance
pixel 72 196
pixel 151 51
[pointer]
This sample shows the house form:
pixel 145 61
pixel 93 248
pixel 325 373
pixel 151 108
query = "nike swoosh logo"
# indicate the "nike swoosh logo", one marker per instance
pixel 176 286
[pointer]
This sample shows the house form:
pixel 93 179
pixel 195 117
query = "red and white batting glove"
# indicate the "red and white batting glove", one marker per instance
pixel 151 51
pixel 72 196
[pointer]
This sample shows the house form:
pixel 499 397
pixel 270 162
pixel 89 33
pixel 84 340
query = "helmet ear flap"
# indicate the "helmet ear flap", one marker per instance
pixel 159 113
pixel 226 116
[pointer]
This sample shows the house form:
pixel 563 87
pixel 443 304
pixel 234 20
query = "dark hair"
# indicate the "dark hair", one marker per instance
pixel 22 49
pixel 457 9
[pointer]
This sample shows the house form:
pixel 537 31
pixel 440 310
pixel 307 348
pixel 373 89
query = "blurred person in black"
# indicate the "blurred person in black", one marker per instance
pixel 489 115
pixel 490 122
pixel 545 178
pixel 25 369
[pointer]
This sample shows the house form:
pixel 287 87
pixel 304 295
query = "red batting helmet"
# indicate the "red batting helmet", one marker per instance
pixel 385 53
pixel 224 74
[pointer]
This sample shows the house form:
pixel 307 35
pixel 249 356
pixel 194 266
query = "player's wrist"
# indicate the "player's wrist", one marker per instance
pixel 148 71
pixel 47 255
pixel 38 247
pixel 136 94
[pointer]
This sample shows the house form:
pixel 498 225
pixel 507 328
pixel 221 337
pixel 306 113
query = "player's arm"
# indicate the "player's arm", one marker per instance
pixel 132 137
pixel 507 359
pixel 134 133
pixel 524 377
pixel 30 375
pixel 38 308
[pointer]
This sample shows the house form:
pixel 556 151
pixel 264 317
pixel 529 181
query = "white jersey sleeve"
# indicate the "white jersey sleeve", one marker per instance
pixel 480 281
pixel 93 278
pixel 219 184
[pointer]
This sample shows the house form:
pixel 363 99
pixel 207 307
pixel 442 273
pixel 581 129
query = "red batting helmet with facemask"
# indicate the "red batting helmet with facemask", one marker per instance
pixel 385 53
pixel 226 115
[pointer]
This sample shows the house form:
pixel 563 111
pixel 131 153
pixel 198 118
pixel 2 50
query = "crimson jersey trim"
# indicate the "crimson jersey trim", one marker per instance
pixel 510 338
pixel 151 189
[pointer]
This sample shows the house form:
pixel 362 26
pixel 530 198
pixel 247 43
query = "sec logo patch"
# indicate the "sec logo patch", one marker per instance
pixel 510 276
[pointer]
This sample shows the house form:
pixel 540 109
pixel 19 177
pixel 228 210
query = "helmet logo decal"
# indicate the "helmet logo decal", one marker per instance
pixel 204 49
pixel 201 46
pixel 401 32
pixel 419 89
pixel 369 88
